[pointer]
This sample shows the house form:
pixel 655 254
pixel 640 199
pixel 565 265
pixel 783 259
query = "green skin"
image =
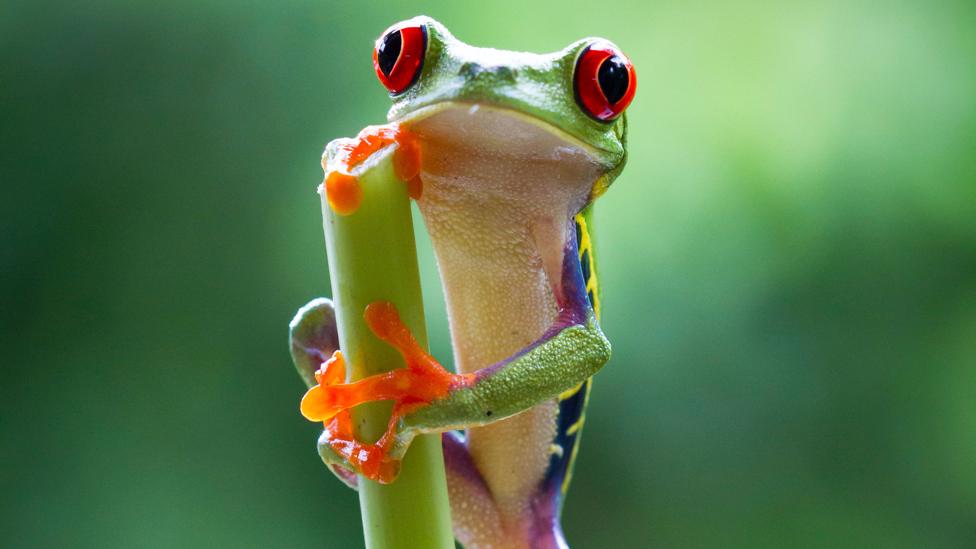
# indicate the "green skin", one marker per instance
pixel 540 86
pixel 537 90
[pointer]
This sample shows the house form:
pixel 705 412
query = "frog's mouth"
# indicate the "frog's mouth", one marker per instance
pixel 482 142
pixel 498 118
pixel 500 190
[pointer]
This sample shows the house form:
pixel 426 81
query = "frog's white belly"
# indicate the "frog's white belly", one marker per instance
pixel 498 196
pixel 499 302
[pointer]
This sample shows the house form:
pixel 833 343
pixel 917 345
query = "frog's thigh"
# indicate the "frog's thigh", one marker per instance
pixel 513 455
pixel 474 516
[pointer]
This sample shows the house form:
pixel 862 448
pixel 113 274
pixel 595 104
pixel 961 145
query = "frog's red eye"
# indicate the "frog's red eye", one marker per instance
pixel 604 81
pixel 399 56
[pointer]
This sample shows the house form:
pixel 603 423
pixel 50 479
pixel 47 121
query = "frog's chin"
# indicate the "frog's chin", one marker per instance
pixel 477 141
pixel 501 150
pixel 519 124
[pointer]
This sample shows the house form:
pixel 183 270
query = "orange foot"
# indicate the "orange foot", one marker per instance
pixel 342 189
pixel 421 382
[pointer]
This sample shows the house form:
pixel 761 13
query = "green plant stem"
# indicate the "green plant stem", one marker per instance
pixel 372 257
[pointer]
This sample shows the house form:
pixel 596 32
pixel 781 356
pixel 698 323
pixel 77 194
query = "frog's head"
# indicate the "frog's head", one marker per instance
pixel 522 108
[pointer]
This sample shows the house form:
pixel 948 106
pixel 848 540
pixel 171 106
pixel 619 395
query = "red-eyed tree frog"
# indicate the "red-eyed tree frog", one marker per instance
pixel 505 153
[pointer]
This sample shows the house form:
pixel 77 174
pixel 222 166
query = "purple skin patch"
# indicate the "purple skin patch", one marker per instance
pixel 313 337
pixel 458 459
pixel 574 307
pixel 346 475
pixel 545 531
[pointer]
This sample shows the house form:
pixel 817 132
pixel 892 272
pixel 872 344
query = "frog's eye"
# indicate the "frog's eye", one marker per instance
pixel 604 81
pixel 399 56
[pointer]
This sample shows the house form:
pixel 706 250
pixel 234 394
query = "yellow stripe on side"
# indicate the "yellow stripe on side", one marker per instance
pixel 592 289
pixel 576 444
pixel 576 426
pixel 569 393
pixel 588 265
pixel 586 250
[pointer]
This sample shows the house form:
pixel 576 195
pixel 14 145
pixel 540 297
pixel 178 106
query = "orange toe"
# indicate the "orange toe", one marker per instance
pixel 342 189
pixel 317 404
pixel 406 159
pixel 333 370
pixel 343 192
pixel 370 460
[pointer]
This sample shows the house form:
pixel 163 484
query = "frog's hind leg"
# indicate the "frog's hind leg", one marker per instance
pixel 479 521
pixel 474 515
pixel 313 337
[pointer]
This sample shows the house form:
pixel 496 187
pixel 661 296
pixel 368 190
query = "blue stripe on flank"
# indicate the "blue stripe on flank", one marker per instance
pixel 573 407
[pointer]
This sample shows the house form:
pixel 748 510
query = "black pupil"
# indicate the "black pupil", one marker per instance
pixel 613 78
pixel 388 51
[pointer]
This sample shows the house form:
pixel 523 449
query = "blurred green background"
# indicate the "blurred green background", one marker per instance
pixel 789 264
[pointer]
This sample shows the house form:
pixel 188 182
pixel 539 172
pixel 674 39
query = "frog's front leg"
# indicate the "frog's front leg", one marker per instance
pixel 314 343
pixel 314 348
pixel 427 398
pixel 421 382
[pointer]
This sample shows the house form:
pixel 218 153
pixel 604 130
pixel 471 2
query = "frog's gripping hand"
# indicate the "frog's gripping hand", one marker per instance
pixel 428 398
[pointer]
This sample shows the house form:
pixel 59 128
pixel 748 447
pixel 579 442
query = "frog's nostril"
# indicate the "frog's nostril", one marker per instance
pixel 505 73
pixel 472 70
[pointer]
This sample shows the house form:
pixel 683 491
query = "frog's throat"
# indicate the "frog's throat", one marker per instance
pixel 500 191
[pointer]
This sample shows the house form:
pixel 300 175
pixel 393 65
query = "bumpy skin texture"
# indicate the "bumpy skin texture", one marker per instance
pixel 510 166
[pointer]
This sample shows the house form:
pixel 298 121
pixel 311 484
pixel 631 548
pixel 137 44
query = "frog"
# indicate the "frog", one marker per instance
pixel 505 153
